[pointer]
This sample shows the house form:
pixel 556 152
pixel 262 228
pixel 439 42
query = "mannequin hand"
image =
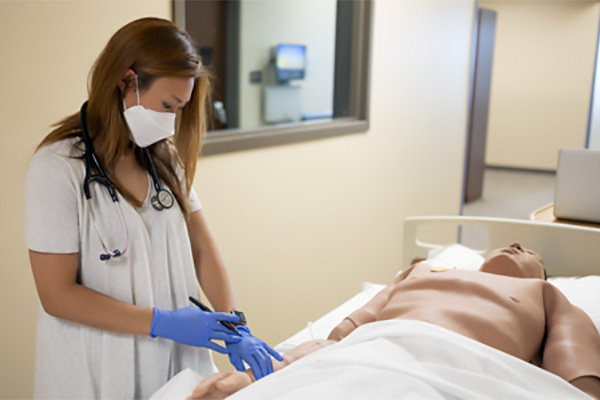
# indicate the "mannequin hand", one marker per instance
pixel 221 385
pixel 194 327
pixel 256 353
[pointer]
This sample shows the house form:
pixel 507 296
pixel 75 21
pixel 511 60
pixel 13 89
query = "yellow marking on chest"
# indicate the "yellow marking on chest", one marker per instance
pixel 438 269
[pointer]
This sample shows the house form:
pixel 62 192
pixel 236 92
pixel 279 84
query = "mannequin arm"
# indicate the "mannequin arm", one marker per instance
pixel 590 385
pixel 223 384
pixel 368 312
pixel 572 345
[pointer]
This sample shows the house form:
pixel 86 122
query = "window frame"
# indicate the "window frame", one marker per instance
pixel 352 40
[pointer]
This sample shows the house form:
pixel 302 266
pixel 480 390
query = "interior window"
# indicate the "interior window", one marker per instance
pixel 282 71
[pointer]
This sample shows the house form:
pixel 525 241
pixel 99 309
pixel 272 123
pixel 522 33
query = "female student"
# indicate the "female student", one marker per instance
pixel 116 235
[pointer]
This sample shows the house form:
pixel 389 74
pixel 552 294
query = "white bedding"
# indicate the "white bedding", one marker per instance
pixel 409 360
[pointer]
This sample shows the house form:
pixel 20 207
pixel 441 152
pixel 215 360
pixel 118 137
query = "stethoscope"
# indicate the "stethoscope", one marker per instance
pixel 163 199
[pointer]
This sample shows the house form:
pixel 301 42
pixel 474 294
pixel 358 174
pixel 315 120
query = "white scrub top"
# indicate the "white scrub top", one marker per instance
pixel 75 360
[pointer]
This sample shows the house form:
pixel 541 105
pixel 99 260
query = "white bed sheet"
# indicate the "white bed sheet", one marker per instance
pixel 403 359
pixel 398 359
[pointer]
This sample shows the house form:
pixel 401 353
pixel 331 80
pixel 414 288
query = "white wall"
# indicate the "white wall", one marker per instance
pixel 594 139
pixel 266 23
pixel 300 226
pixel 541 80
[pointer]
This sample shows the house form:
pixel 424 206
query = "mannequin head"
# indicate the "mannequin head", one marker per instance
pixel 514 261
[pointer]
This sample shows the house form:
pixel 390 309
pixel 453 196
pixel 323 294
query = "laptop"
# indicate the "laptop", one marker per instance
pixel 577 194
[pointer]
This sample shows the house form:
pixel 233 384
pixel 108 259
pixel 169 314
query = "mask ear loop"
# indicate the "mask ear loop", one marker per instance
pixel 137 93
pixel 137 90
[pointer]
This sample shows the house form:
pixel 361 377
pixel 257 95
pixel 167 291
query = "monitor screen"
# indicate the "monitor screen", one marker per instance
pixel 290 62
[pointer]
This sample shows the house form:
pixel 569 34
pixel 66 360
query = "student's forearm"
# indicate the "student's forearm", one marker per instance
pixel 61 296
pixel 80 304
pixel 210 268
pixel 215 282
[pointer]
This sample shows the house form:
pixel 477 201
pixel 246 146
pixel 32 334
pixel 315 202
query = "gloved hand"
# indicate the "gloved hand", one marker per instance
pixel 194 327
pixel 256 353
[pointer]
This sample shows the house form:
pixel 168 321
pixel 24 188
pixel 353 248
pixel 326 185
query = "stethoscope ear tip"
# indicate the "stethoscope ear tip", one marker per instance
pixel 107 256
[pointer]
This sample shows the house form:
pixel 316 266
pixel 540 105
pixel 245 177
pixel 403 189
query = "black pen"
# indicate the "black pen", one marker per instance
pixel 200 305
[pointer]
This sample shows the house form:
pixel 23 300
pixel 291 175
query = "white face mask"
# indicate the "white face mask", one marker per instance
pixel 148 126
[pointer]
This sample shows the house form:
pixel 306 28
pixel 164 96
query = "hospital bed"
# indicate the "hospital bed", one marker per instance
pixel 412 359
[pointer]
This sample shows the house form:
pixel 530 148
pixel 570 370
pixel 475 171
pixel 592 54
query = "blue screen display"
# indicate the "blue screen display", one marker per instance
pixel 290 62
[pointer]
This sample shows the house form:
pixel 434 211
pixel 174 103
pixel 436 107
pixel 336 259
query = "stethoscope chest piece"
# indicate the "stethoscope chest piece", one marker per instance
pixel 162 200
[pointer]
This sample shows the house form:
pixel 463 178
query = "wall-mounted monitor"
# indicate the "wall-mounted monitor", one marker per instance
pixel 290 62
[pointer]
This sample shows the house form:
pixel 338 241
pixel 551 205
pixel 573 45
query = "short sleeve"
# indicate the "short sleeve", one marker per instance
pixel 195 204
pixel 51 211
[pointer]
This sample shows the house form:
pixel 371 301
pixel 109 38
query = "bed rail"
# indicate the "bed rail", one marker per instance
pixel 567 250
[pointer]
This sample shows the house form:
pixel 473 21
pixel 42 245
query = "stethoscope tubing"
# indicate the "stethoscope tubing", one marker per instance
pixel 163 199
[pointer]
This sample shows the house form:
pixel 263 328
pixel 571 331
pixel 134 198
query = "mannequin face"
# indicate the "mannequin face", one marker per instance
pixel 514 261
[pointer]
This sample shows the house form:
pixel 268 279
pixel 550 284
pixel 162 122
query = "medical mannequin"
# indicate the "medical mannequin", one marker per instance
pixel 538 324
pixel 114 278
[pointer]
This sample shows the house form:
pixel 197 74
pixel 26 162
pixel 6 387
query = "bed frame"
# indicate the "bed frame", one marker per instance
pixel 567 250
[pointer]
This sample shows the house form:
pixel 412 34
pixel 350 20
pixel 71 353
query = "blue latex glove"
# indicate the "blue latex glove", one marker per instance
pixel 194 327
pixel 256 353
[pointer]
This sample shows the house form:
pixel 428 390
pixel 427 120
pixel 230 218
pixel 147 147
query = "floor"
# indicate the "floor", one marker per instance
pixel 508 193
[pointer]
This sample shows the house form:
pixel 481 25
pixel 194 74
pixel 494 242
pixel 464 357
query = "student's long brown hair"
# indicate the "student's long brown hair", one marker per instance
pixel 152 47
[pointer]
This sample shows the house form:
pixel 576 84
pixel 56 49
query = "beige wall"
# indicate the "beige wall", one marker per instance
pixel 300 226
pixel 47 48
pixel 541 80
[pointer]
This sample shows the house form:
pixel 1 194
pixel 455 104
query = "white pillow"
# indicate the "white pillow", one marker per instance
pixel 455 255
pixel 584 292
